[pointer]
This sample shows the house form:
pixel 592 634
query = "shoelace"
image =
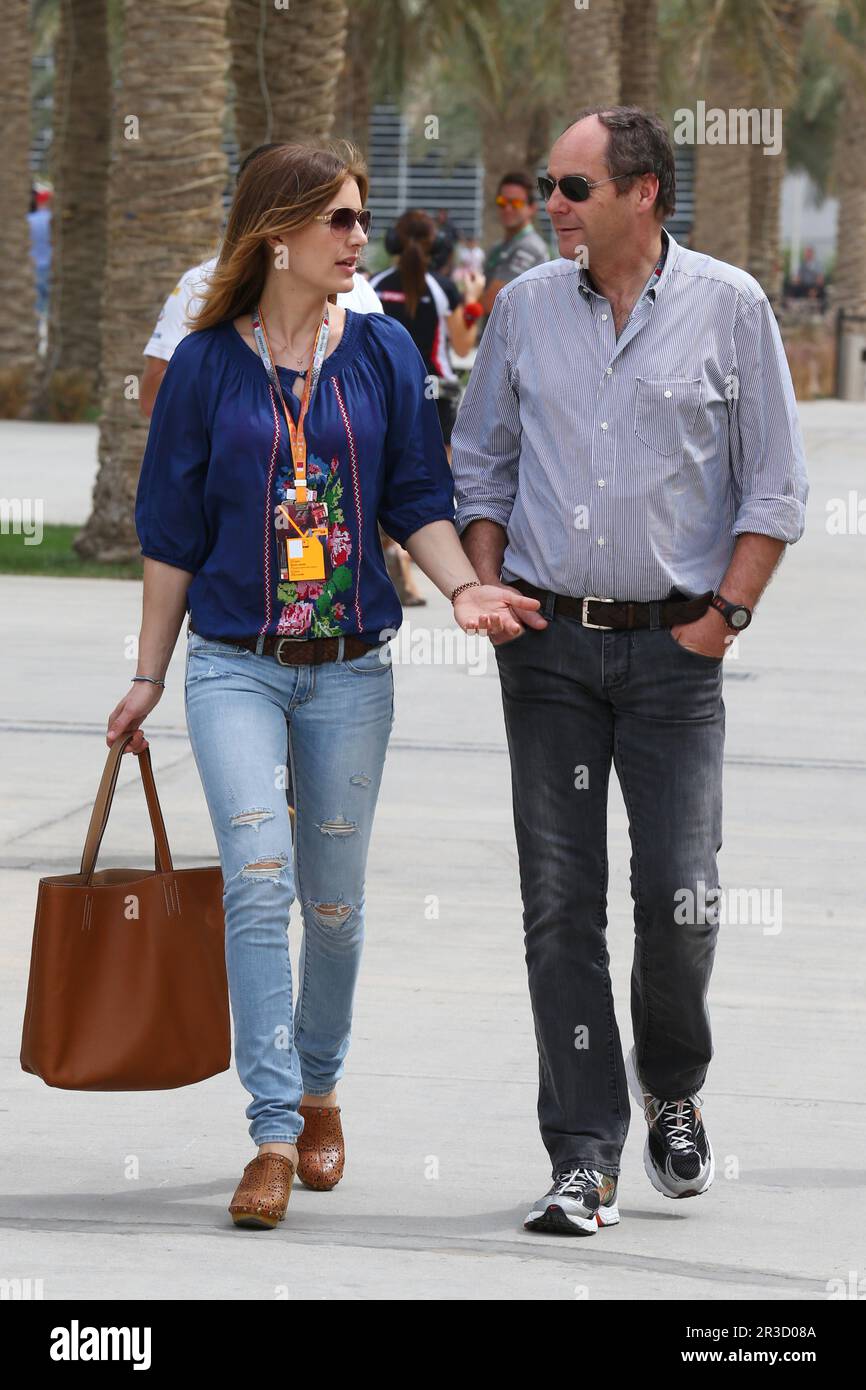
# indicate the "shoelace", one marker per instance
pixel 677 1120
pixel 576 1180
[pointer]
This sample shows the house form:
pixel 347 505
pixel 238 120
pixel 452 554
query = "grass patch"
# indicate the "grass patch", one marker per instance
pixel 55 556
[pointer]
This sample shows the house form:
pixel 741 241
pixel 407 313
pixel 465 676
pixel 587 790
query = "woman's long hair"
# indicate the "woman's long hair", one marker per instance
pixel 280 191
pixel 415 232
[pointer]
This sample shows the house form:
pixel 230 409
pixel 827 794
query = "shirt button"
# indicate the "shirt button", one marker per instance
pixel 668 393
pixel 608 370
pixel 604 424
pixel 604 318
pixel 601 482
pixel 601 540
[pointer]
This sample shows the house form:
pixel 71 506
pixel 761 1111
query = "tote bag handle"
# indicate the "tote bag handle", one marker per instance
pixel 102 809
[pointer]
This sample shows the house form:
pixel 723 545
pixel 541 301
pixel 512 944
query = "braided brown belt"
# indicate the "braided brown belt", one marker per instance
pixel 300 651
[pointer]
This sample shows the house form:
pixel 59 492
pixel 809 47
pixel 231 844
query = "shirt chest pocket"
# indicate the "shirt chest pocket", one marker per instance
pixel 665 413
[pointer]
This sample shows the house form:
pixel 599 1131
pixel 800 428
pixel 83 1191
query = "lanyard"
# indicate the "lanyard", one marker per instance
pixel 297 438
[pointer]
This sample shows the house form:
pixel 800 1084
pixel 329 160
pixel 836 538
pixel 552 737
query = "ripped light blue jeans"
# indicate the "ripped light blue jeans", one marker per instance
pixel 253 724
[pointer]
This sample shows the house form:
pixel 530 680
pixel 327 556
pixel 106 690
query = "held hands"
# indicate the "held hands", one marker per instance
pixel 498 610
pixel 131 713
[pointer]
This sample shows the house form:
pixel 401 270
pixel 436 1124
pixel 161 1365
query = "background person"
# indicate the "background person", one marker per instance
pixel 431 307
pixel 521 247
pixel 435 312
pixel 39 219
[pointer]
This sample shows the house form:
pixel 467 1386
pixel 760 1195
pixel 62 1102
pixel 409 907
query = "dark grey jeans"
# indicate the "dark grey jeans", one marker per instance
pixel 576 700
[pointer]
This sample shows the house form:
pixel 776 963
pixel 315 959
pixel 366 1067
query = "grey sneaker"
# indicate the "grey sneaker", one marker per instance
pixel 580 1200
pixel 677 1155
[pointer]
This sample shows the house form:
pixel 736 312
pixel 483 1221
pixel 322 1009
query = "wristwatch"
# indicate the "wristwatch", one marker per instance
pixel 736 615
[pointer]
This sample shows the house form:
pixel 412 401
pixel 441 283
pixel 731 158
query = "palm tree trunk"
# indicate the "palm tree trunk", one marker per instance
pixel 722 172
pixel 639 54
pixel 166 180
pixel 354 96
pixel 849 279
pixel 286 66
pixel 79 164
pixel 593 38
pixel 766 175
pixel 17 281
pixel 767 172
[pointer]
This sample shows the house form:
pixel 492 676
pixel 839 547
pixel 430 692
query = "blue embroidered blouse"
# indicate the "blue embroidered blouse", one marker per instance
pixel 218 460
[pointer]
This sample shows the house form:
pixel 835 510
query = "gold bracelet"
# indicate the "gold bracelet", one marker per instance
pixel 470 584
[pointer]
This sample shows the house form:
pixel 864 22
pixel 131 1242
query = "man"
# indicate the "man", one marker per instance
pixel 630 433
pixel 521 247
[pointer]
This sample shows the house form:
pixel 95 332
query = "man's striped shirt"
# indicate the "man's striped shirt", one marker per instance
pixel 625 467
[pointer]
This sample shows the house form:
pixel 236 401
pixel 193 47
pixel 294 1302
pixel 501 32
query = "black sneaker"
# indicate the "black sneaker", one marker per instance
pixel 580 1200
pixel 677 1155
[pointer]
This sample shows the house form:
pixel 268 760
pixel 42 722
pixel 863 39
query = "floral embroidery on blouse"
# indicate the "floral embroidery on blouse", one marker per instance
pixel 316 607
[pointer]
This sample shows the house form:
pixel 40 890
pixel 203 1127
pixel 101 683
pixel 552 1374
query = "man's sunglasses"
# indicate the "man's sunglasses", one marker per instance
pixel 342 220
pixel 575 187
pixel 510 202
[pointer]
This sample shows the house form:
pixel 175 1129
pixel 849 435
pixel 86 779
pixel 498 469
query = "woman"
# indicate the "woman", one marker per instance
pixel 431 307
pixel 283 430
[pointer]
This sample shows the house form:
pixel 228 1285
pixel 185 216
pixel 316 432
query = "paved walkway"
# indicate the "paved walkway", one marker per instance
pixel 439 1098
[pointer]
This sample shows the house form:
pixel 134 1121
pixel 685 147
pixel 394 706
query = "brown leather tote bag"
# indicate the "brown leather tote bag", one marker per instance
pixel 128 988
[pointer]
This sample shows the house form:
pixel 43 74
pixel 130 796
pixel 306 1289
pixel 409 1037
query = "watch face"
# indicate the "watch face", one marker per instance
pixel 739 617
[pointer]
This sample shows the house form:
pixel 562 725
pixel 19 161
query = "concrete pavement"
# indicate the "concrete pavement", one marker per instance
pixel 439 1096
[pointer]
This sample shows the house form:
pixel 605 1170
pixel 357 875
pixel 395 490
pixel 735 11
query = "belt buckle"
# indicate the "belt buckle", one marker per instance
pixel 601 627
pixel 279 647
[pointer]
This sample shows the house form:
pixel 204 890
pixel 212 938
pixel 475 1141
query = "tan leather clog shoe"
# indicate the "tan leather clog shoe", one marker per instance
pixel 321 1148
pixel 263 1192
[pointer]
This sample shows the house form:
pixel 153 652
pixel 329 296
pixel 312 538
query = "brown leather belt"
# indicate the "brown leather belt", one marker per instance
pixel 299 651
pixel 608 614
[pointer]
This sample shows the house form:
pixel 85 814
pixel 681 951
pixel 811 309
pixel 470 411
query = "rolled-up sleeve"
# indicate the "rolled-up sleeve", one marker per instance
pixel 169 505
pixel 417 487
pixel 766 444
pixel 485 440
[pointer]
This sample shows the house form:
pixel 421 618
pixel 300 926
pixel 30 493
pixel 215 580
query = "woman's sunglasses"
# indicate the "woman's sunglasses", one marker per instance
pixel 342 220
pixel 575 187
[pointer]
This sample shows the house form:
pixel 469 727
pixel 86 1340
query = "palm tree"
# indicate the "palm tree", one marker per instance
pixel 79 163
pixel 767 172
pixel 390 45
pixel 733 52
pixel 639 54
pixel 354 97
pixel 593 42
pixel 846 45
pixel 285 67
pixel 17 285
pixel 166 180
pixel 496 74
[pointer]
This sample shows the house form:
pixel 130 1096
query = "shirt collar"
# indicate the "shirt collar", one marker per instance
pixel 655 281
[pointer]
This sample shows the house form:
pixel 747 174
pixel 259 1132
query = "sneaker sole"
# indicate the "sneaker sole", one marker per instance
pixel 554 1221
pixel 649 1167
